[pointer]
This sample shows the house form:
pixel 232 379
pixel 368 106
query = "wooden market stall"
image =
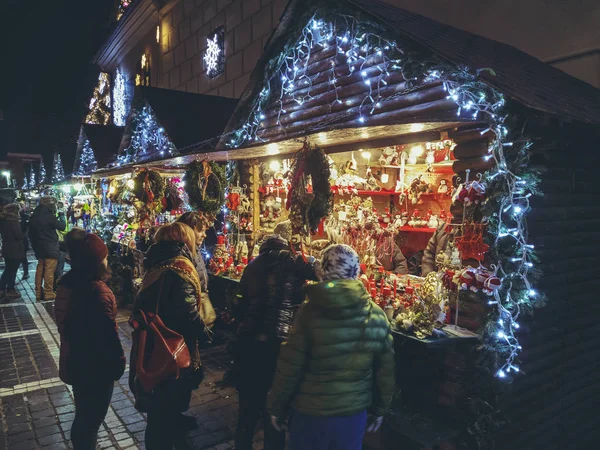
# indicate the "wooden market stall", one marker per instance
pixel 419 115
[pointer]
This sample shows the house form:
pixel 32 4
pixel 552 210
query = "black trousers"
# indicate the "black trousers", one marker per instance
pixel 257 361
pixel 168 402
pixel 9 276
pixel 25 263
pixel 91 406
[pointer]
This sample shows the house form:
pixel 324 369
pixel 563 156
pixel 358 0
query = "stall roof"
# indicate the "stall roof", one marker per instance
pixel 187 118
pixel 516 74
pixel 104 140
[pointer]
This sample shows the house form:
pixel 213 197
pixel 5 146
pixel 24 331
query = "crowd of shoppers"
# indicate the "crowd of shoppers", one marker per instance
pixel 320 354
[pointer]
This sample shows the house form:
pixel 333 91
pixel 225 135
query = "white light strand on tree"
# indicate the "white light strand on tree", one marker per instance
pixel 119 99
pixel 377 58
pixel 58 171
pixel 32 182
pixel 25 184
pixel 148 140
pixel 42 175
pixel 87 163
pixel 99 109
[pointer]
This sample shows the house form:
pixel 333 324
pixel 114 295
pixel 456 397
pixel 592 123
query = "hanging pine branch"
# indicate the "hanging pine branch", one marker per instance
pixel 42 177
pixel 86 163
pixel 58 172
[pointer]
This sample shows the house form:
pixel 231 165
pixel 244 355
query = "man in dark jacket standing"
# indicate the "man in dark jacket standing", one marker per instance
pixel 13 249
pixel 272 291
pixel 43 226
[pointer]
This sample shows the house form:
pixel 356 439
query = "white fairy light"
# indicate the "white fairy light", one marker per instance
pixel 119 100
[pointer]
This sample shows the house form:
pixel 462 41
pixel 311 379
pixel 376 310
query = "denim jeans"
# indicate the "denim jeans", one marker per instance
pixel 91 406
pixel 327 433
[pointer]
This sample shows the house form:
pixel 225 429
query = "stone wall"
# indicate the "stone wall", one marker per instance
pixel 185 25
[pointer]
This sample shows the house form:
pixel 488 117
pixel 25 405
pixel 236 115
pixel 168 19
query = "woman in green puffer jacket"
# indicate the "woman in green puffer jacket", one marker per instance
pixel 338 363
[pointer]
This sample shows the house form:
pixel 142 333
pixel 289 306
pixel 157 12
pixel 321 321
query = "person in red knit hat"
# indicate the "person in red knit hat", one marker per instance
pixel 91 355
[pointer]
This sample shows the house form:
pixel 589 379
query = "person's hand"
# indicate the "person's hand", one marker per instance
pixel 374 424
pixel 279 426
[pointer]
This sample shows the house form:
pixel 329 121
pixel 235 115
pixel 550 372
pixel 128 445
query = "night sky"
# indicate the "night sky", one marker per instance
pixel 46 77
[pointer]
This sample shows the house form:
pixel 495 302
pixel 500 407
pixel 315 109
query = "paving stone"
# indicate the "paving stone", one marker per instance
pixel 20 437
pixel 66 417
pixel 44 422
pixel 25 445
pixel 47 431
pixel 132 418
pixel 135 427
pixel 65 409
pixel 52 439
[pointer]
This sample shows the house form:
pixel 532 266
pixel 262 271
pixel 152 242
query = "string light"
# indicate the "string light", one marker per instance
pixel 119 96
pixel 474 100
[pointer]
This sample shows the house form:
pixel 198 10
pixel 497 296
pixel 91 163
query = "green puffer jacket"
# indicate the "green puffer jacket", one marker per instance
pixel 339 359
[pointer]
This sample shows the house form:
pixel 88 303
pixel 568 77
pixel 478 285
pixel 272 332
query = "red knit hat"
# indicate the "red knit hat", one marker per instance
pixel 88 251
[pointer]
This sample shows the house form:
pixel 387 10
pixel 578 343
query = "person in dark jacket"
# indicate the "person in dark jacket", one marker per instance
pixel 25 231
pixel 171 289
pixel 391 258
pixel 272 291
pixel 13 249
pixel 43 226
pixel 62 248
pixel 338 364
pixel 91 355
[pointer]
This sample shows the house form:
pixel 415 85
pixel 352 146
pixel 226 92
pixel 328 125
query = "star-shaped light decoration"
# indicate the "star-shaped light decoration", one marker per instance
pixel 214 57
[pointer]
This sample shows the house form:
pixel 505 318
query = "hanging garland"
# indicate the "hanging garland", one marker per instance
pixel 309 200
pixel 205 185
pixel 148 186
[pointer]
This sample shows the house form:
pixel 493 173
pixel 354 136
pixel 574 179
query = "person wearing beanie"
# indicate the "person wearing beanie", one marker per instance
pixel 338 364
pixel 91 355
pixel 43 226
pixel 272 290
pixel 13 249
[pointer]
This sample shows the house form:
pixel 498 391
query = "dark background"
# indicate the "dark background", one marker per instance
pixel 46 74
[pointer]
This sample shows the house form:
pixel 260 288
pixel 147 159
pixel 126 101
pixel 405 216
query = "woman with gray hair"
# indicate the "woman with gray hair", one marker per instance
pixel 338 364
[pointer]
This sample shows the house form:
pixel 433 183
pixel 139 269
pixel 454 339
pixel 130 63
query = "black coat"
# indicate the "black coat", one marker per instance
pixel 43 226
pixel 12 238
pixel 272 290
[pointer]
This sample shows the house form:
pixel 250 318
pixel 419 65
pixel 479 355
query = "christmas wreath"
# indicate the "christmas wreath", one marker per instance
pixel 309 206
pixel 148 186
pixel 205 184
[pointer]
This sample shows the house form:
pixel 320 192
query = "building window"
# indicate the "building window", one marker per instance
pixel 214 58
pixel 123 5
pixel 142 77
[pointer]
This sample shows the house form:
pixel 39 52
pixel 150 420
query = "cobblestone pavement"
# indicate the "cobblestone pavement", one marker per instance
pixel 36 408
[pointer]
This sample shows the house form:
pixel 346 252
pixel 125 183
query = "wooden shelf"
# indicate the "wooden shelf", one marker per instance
pixel 372 193
pixel 418 230
pixel 445 167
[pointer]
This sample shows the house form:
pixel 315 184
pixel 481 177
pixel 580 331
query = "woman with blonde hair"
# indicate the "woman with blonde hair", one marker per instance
pixel 171 289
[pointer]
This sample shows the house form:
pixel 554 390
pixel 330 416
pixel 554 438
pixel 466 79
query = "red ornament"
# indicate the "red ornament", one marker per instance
pixel 470 244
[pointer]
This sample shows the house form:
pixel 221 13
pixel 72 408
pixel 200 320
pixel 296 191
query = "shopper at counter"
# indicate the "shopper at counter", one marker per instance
pixel 392 259
pixel 272 291
pixel 338 364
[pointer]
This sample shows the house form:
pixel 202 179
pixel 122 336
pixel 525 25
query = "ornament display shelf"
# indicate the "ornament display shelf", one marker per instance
pixel 444 167
pixel 417 229
pixel 369 193
pixel 447 340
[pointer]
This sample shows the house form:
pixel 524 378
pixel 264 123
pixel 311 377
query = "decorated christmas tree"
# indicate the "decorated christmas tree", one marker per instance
pixel 32 182
pixel 148 140
pixel 58 172
pixel 99 111
pixel 42 178
pixel 86 163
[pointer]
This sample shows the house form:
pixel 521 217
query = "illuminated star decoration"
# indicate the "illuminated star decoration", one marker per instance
pixel 213 57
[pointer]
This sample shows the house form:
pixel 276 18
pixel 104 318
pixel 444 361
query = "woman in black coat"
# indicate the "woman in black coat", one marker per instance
pixel 172 289
pixel 13 249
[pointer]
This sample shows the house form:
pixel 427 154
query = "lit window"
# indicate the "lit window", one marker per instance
pixel 142 77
